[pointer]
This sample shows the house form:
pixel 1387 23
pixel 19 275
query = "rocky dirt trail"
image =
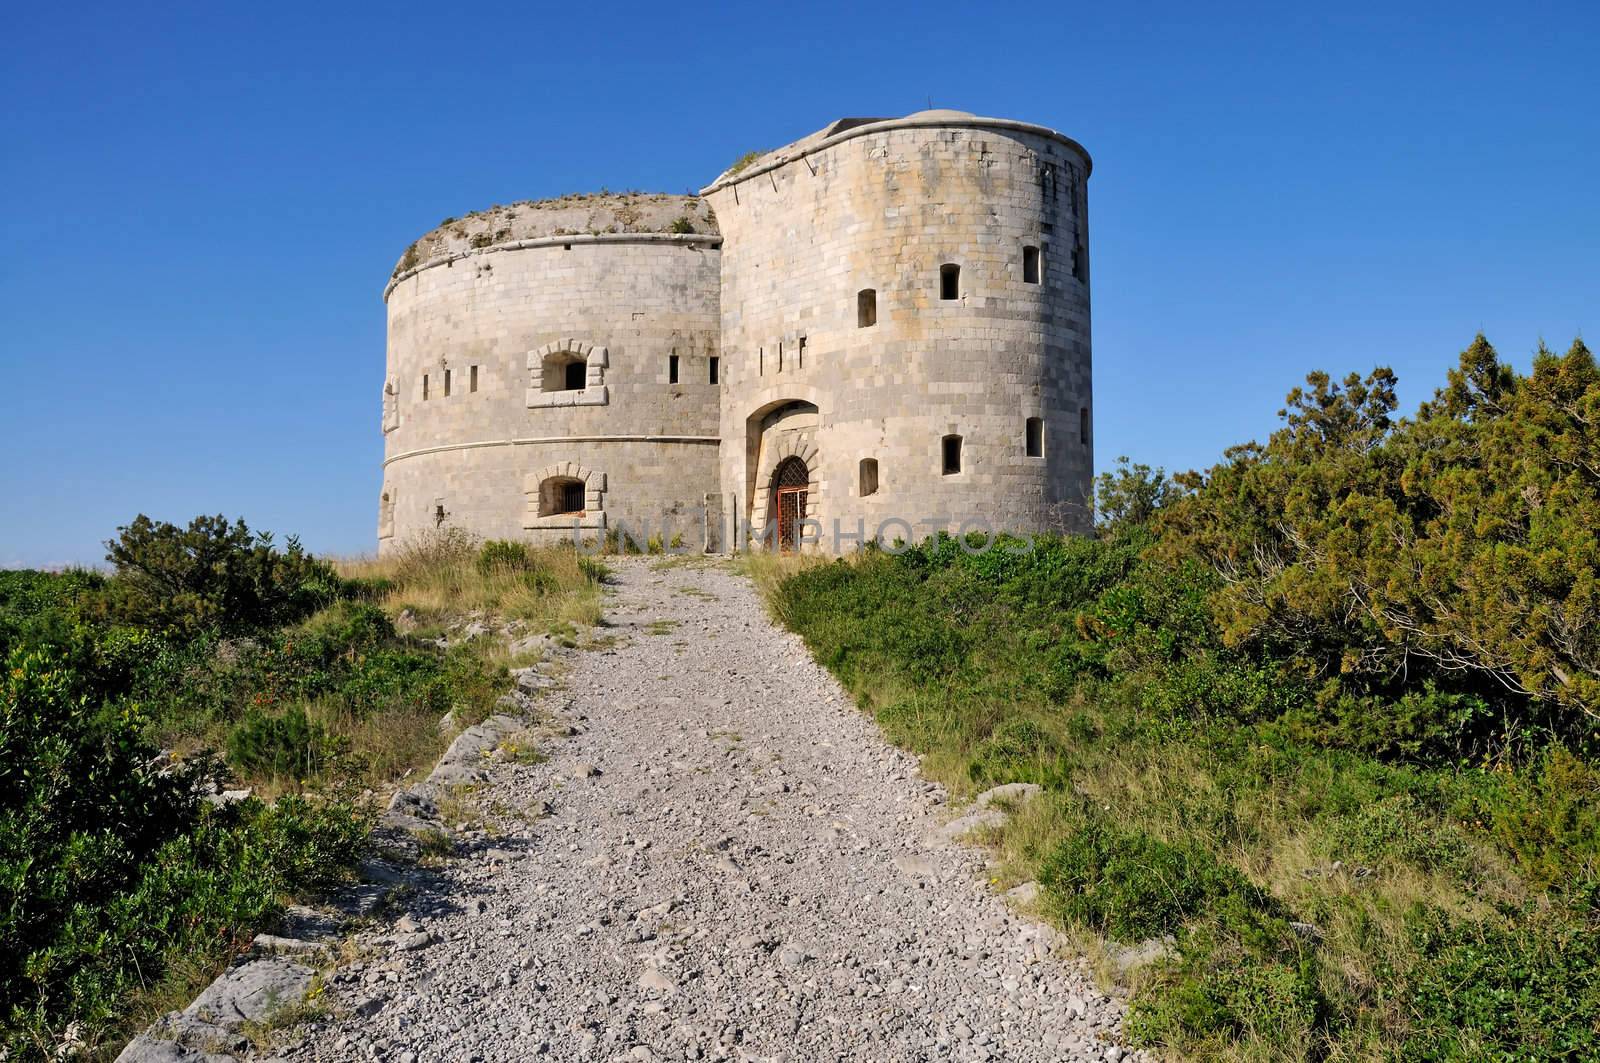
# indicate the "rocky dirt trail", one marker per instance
pixel 724 860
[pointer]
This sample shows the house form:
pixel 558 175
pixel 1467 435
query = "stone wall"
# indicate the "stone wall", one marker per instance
pixel 529 382
pixel 882 207
pixel 504 324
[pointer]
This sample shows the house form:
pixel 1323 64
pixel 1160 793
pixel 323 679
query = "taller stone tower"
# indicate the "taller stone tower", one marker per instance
pixel 905 330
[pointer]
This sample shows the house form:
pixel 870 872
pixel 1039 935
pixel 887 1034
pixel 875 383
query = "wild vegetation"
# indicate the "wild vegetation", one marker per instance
pixel 209 657
pixel 1320 725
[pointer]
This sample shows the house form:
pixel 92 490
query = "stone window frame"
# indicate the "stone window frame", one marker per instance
pixel 391 405
pixel 386 513
pixel 595 392
pixel 593 517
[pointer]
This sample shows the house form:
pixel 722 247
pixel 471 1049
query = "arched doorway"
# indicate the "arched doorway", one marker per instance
pixel 789 483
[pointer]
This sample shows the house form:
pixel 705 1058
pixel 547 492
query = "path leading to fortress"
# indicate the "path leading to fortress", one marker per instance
pixel 726 861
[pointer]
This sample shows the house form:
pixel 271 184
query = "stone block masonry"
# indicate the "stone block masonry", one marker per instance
pixel 887 320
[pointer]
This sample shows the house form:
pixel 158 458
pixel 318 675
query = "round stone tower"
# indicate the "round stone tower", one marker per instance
pixel 905 331
pixel 552 364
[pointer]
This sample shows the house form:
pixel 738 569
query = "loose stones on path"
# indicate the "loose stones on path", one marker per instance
pixel 724 861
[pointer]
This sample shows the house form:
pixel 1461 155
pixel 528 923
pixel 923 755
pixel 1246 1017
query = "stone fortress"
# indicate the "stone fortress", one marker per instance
pixel 882 328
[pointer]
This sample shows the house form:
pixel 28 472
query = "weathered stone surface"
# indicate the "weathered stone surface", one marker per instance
pixel 948 834
pixel 1024 894
pixel 149 1049
pixel 541 349
pixel 1014 793
pixel 251 992
pixel 466 760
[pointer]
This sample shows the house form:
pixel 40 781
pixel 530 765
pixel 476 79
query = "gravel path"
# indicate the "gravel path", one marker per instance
pixel 725 861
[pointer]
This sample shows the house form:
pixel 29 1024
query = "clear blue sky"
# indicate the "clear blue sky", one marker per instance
pixel 201 204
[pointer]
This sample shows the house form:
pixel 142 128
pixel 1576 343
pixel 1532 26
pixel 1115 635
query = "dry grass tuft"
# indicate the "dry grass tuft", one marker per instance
pixel 768 570
pixel 450 573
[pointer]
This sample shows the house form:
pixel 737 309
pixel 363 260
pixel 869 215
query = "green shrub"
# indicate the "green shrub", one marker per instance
pixel 1018 750
pixel 345 628
pixel 1131 887
pixel 289 745
pixel 40 607
pixel 1396 830
pixel 210 575
pixel 1426 724
pixel 111 868
pixel 1218 996
pixel 1547 816
pixel 1457 545
pixel 1491 991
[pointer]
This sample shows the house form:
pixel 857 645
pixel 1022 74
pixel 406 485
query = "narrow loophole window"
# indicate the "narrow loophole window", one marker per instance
pixel 800 354
pixel 472 379
pixel 447 383
pixel 869 476
pixel 1030 265
pixel 951 455
pixel 1035 437
pixel 949 281
pixel 715 366
pixel 424 387
pixel 1083 425
pixel 866 308
pixel 1080 263
pixel 672 369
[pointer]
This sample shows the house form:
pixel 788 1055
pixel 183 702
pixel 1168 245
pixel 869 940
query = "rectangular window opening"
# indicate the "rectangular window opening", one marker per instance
pixel 672 369
pixel 1083 425
pixel 866 308
pixel 869 476
pixel 800 354
pixel 572 497
pixel 447 383
pixel 715 365
pixel 951 463
pixel 1030 265
pixel 472 379
pixel 575 376
pixel 949 281
pixel 424 387
pixel 1035 437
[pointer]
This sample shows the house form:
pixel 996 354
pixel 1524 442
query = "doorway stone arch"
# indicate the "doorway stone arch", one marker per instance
pixel 800 446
